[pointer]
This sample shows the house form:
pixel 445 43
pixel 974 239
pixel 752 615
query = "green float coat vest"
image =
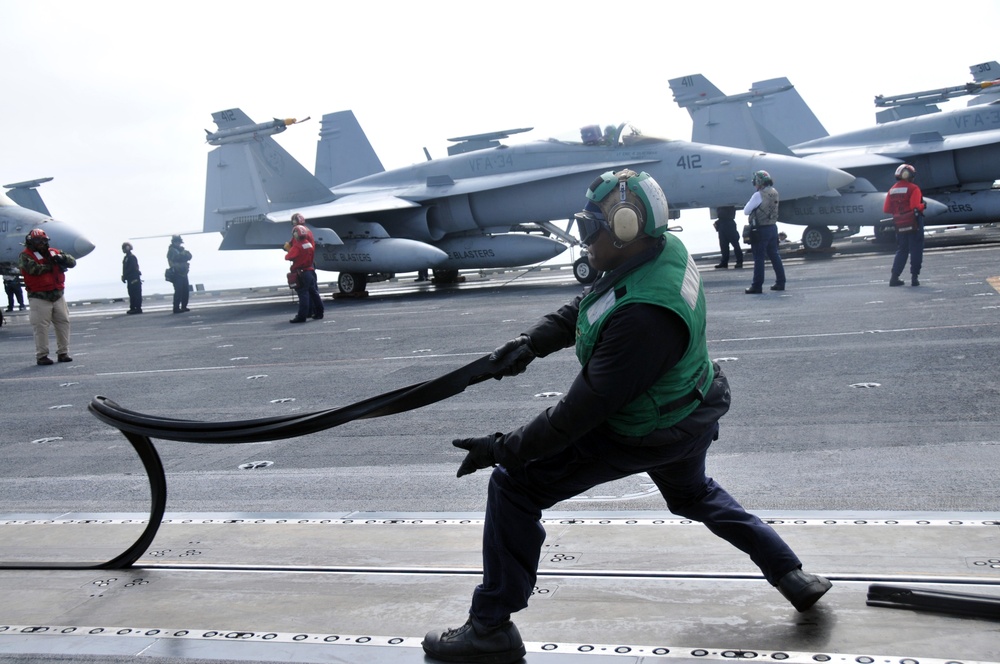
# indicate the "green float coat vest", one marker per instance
pixel 670 280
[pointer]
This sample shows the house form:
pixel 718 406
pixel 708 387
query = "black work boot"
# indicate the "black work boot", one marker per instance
pixel 476 643
pixel 914 281
pixel 895 281
pixel 803 589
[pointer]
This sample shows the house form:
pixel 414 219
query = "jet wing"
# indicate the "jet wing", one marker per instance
pixel 934 142
pixel 358 201
pixel 445 186
pixel 897 152
pixel 352 204
pixel 846 160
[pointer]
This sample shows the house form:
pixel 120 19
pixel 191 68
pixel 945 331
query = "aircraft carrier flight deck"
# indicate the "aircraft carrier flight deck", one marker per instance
pixel 864 426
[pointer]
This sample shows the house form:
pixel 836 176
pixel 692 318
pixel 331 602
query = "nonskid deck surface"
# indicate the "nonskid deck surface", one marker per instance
pixel 366 587
pixel 863 421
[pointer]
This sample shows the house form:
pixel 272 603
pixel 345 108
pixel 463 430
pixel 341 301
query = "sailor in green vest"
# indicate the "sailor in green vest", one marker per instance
pixel 647 400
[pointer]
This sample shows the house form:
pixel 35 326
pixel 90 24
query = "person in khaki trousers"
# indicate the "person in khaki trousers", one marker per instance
pixel 44 272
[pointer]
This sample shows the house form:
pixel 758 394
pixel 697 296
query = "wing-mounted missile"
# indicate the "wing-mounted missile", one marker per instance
pixel 250 132
pixel 755 94
pixel 983 89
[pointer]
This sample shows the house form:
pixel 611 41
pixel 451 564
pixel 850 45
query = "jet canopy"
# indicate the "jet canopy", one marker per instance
pixel 609 135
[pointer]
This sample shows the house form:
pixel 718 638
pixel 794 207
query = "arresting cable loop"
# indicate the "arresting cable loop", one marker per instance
pixel 139 428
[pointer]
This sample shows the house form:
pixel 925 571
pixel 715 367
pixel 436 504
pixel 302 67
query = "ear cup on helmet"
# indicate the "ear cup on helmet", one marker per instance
pixel 639 208
pixel 625 221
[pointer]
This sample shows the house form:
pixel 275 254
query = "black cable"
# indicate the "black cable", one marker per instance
pixel 139 428
pixel 276 428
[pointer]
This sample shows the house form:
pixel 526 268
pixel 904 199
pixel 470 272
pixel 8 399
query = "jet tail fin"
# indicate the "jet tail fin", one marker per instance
pixel 985 71
pixel 784 113
pixel 26 195
pixel 987 76
pixel 688 90
pixel 249 175
pixel 718 119
pixel 343 152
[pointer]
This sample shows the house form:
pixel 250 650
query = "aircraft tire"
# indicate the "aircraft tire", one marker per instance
pixel 446 276
pixel 352 283
pixel 815 238
pixel 583 272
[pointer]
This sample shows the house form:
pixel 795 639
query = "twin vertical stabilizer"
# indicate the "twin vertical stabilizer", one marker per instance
pixel 249 175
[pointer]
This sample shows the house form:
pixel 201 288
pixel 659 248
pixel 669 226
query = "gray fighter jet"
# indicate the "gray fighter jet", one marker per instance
pixel 485 205
pixel 21 210
pixel 956 153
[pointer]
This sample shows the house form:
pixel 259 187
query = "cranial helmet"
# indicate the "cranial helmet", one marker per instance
pixel 300 231
pixel 762 179
pixel 905 172
pixel 36 236
pixel 627 204
pixel 126 246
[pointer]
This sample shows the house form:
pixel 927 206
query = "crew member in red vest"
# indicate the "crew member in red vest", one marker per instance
pixel 905 203
pixel 301 250
pixel 43 269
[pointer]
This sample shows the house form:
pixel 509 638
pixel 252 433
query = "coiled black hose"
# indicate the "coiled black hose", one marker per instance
pixel 139 428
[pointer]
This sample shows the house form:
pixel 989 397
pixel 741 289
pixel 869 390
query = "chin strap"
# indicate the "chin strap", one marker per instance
pixel 139 429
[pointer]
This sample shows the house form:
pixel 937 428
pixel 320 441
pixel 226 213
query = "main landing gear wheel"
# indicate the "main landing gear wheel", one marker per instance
pixel 816 238
pixel 447 277
pixel 583 271
pixel 352 283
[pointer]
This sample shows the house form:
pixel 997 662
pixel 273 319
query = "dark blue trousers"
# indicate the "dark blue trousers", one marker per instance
pixel 765 245
pixel 310 301
pixel 729 236
pixel 513 534
pixel 909 244
pixel 181 292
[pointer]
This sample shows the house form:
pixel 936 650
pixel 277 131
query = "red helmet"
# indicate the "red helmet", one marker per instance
pixel 905 172
pixel 36 235
pixel 299 230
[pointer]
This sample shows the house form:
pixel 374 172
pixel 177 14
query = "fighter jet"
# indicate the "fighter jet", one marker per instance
pixel 956 153
pixel 485 205
pixel 21 210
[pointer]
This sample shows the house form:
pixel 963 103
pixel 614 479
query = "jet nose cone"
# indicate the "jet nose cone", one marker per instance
pixel 81 247
pixel 64 237
pixel 795 177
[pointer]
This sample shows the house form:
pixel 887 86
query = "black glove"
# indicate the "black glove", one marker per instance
pixel 513 357
pixel 482 452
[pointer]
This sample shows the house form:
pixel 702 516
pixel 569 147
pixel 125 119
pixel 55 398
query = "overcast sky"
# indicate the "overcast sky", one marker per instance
pixel 111 97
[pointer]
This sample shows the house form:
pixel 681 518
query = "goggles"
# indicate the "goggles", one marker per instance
pixel 591 221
